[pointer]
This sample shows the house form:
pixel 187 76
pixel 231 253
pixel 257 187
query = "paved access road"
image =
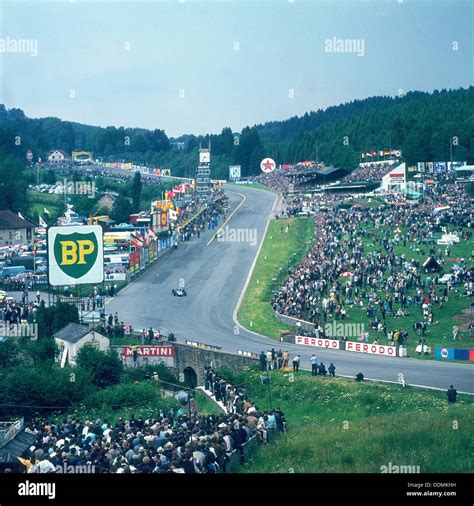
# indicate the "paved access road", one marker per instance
pixel 214 275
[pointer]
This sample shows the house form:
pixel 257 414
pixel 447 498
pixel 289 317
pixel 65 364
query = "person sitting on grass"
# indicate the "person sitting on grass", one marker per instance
pixel 322 369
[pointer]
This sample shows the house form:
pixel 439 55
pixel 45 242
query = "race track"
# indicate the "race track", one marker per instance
pixel 214 276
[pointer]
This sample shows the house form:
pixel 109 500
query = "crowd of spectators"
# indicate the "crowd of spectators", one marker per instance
pixel 178 440
pixel 379 279
pixel 297 177
pixel 15 312
pixel 196 216
pixel 370 171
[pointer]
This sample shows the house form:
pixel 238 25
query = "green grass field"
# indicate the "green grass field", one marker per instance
pixel 205 406
pixel 440 333
pixel 54 203
pixel 364 202
pixel 337 425
pixel 280 250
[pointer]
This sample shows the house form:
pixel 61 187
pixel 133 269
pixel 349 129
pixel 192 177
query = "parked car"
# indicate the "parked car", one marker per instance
pixel 8 272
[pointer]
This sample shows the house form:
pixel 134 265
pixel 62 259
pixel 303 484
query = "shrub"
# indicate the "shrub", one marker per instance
pixel 105 368
pixel 124 395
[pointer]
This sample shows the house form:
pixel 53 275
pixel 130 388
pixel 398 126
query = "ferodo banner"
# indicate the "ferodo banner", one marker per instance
pixel 75 255
pixel 374 349
pixel 333 344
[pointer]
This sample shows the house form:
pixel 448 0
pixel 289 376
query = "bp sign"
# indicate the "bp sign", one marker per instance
pixel 75 255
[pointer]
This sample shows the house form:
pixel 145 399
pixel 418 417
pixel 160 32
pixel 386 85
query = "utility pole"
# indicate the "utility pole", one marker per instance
pixel 269 390
pixel 451 155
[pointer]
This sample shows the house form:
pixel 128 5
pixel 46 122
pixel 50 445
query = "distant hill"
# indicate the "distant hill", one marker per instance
pixel 419 124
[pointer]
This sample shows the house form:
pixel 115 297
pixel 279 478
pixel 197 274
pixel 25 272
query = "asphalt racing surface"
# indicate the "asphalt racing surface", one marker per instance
pixel 214 274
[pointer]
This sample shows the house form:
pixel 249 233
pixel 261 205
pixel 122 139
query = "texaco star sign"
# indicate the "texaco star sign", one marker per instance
pixel 267 165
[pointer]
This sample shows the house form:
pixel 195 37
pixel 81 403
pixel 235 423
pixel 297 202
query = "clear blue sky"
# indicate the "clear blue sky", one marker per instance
pixel 190 46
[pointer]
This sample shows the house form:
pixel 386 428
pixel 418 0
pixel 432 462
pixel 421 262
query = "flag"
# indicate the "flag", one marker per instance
pixel 141 238
pixel 20 215
pixel 136 239
pixel 35 247
pixel 27 463
pixel 152 232
pixel 42 222
pixel 173 215
pixel 46 211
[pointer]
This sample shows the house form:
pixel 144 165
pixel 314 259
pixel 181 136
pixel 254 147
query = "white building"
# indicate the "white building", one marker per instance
pixel 396 180
pixel 73 337
pixel 57 156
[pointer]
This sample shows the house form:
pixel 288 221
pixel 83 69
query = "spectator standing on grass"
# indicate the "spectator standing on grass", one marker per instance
pixel 279 359
pixel 269 359
pixel 296 363
pixel 452 394
pixel 263 361
pixel 455 332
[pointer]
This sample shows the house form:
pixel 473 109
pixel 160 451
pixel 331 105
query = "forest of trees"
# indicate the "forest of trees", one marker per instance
pixel 418 123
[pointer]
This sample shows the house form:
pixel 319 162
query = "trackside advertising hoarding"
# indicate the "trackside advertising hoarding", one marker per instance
pixel 374 349
pixel 332 344
pixel 75 255
pixel 150 351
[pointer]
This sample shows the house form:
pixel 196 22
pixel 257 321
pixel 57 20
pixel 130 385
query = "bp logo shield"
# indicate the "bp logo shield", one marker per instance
pixel 75 253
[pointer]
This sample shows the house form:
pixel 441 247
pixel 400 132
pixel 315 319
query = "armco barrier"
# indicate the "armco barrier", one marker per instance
pixel 295 322
pixel 235 457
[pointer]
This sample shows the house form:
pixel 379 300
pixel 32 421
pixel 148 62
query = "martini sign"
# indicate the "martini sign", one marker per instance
pixel 75 255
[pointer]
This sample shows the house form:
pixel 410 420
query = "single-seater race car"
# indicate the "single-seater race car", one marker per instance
pixel 179 292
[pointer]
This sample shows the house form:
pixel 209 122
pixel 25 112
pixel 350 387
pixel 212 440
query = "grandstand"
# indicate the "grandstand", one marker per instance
pixel 300 177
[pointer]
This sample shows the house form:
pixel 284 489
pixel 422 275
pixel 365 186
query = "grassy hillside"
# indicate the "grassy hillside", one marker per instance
pixel 340 426
pixel 280 250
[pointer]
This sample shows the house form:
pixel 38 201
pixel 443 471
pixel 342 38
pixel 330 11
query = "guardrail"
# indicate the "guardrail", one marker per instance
pixel 289 320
